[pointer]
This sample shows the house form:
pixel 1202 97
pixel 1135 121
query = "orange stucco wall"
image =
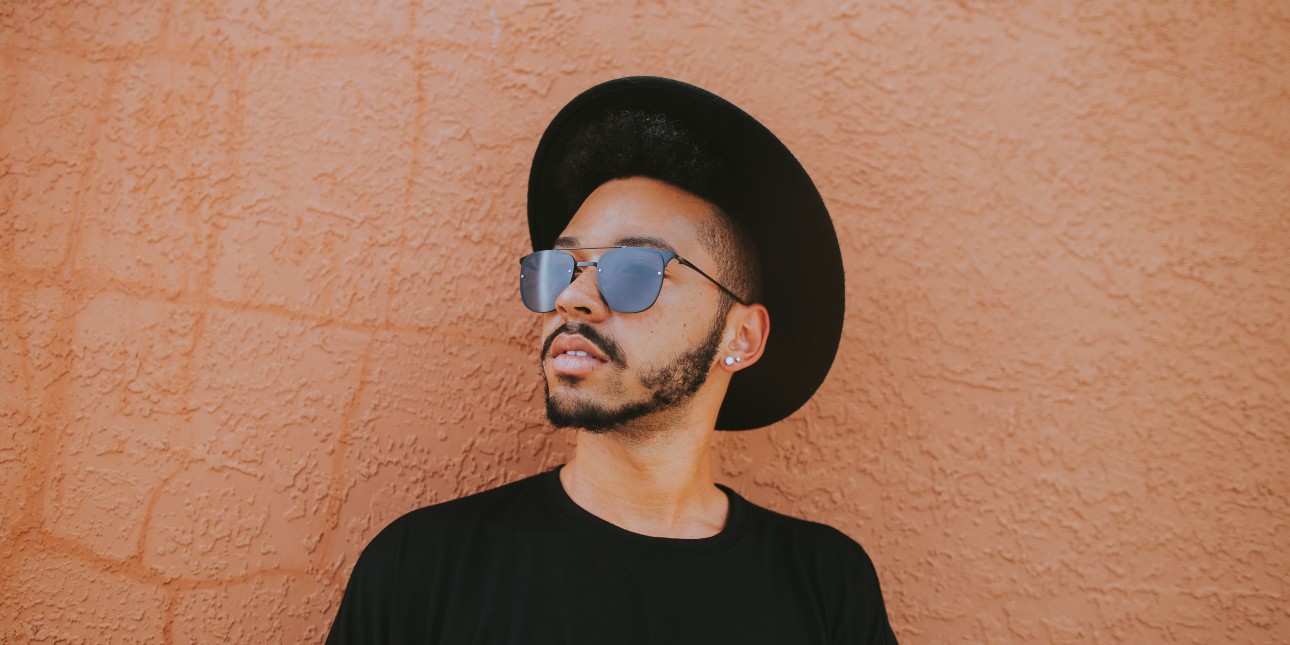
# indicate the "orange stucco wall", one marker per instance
pixel 257 299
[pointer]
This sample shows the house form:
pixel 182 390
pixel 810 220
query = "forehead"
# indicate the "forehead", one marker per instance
pixel 639 211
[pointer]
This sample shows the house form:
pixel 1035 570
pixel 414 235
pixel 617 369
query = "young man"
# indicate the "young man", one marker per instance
pixel 689 280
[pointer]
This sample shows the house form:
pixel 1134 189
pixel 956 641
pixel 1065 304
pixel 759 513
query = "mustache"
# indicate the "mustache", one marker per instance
pixel 612 350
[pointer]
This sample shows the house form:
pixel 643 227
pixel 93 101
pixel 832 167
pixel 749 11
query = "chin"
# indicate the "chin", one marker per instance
pixel 572 412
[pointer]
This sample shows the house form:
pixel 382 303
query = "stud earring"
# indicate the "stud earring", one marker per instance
pixel 730 360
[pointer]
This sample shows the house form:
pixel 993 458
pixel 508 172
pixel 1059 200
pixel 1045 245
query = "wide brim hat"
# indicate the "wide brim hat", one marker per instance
pixel 778 204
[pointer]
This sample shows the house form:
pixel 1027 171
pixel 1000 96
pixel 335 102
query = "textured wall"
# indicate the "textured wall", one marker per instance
pixel 257 299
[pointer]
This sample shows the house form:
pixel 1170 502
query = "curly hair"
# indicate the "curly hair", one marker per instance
pixel 630 143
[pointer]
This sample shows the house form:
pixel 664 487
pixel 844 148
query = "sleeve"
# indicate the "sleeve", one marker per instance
pixel 861 615
pixel 365 608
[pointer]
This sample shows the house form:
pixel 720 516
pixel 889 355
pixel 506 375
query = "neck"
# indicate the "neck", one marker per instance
pixel 659 484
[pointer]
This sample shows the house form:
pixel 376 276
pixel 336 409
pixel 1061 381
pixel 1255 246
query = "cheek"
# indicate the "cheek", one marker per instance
pixel 663 340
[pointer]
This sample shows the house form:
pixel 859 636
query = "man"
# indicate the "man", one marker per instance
pixel 670 231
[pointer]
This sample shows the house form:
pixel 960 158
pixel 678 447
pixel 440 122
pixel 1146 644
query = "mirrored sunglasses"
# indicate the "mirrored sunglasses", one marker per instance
pixel 629 277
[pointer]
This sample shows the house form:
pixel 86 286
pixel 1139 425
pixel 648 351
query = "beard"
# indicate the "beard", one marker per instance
pixel 669 384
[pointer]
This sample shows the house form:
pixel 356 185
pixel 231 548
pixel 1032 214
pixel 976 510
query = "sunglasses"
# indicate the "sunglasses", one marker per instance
pixel 629 277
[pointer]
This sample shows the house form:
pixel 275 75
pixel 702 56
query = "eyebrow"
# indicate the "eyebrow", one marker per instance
pixel 645 240
pixel 570 242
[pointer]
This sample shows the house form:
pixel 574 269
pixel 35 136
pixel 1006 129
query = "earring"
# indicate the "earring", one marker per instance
pixel 730 360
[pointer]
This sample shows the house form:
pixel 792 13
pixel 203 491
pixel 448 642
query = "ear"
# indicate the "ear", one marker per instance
pixel 747 327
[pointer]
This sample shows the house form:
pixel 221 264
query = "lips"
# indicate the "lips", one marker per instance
pixel 574 355
pixel 577 345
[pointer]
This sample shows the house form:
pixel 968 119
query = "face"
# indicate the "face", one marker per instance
pixel 638 368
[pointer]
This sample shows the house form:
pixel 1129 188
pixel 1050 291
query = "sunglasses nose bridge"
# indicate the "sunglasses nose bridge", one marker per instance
pixel 578 270
pixel 581 295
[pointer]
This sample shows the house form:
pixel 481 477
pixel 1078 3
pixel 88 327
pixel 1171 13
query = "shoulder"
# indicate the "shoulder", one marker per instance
pixel 409 562
pixel 832 558
pixel 464 513
pixel 841 573
pixel 422 532
pixel 814 537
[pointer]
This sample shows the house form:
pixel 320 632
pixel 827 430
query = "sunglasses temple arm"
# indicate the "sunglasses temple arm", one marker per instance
pixel 713 280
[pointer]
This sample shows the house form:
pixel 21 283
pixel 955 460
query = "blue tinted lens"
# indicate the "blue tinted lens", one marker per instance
pixel 543 275
pixel 630 278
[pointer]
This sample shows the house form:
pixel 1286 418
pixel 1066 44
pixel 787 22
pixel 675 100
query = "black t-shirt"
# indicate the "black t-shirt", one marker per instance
pixel 523 563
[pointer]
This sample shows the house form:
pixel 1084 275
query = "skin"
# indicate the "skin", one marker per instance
pixel 654 475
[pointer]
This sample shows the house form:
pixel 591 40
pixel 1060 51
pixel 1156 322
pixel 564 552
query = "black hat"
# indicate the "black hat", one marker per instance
pixel 802 279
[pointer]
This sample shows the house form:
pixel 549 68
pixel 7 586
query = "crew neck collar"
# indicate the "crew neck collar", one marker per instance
pixel 729 534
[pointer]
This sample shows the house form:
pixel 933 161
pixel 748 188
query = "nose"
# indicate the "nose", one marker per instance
pixel 581 299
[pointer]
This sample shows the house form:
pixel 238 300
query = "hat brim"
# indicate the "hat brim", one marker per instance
pixel 801 262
